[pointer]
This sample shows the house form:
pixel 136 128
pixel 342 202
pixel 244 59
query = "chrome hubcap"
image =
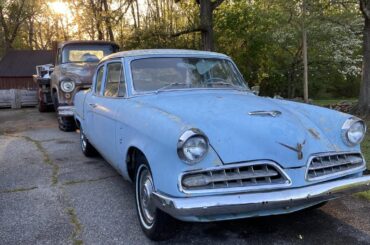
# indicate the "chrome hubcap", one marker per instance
pixel 83 141
pixel 145 192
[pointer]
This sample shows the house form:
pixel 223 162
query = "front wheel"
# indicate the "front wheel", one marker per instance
pixel 156 224
pixel 66 123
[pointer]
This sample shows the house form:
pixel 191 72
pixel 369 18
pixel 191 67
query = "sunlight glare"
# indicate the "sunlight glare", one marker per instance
pixel 59 7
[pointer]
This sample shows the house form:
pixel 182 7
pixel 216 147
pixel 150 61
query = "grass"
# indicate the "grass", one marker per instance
pixel 365 146
pixel 77 226
pixel 326 102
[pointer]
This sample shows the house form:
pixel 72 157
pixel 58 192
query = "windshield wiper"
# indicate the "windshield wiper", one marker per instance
pixel 170 85
pixel 239 88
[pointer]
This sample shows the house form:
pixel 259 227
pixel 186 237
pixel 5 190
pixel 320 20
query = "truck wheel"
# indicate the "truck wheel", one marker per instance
pixel 43 107
pixel 87 149
pixel 54 98
pixel 156 224
pixel 66 124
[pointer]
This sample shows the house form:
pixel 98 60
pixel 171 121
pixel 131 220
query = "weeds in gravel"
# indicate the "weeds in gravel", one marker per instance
pixel 47 160
pixel 76 226
pixel 18 190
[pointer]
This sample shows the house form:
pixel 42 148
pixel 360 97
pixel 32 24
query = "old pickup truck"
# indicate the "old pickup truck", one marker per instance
pixel 75 63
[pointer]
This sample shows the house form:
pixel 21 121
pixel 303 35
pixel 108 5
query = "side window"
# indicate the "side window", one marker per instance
pixel 99 79
pixel 112 81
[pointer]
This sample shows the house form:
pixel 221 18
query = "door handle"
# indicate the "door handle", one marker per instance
pixel 92 105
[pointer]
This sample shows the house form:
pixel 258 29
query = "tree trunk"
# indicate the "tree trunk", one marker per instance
pixel 364 100
pixel 31 32
pixel 108 21
pixel 138 14
pixel 304 54
pixel 206 23
pixel 363 106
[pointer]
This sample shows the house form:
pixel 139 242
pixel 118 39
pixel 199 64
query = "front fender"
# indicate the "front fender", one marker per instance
pixel 159 145
pixel 328 122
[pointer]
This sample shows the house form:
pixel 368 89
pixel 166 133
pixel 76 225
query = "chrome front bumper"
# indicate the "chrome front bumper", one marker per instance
pixel 66 111
pixel 258 204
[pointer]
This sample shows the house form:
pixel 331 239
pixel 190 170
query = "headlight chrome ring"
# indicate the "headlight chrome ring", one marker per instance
pixel 353 131
pixel 67 86
pixel 192 146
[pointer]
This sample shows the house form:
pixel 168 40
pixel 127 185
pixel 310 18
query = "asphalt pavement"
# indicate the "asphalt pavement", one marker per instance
pixel 50 193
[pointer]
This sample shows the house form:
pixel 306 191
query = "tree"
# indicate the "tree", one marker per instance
pixel 12 15
pixel 206 22
pixel 207 8
pixel 364 100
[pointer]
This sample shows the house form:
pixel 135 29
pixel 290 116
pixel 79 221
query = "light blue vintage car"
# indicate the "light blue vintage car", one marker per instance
pixel 201 146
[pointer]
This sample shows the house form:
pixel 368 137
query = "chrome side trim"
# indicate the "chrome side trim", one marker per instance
pixel 280 200
pixel 237 189
pixel 265 113
pixel 337 174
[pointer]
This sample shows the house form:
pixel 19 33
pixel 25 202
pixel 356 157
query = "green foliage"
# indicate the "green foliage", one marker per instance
pixel 262 36
pixel 266 44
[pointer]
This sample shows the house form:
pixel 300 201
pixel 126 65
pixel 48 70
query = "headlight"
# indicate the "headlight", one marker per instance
pixel 192 146
pixel 67 86
pixel 353 131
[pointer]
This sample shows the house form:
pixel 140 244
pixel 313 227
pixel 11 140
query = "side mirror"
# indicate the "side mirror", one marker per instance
pixel 256 90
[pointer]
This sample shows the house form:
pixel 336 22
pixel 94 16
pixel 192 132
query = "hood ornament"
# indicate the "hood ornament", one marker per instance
pixel 265 113
pixel 297 149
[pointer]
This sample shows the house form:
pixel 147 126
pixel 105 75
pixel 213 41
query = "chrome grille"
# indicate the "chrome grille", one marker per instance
pixel 240 176
pixel 334 164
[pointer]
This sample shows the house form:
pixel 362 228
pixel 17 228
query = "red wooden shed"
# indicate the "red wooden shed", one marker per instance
pixel 18 66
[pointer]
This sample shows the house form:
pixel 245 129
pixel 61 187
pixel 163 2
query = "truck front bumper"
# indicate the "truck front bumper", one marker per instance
pixel 242 205
pixel 66 111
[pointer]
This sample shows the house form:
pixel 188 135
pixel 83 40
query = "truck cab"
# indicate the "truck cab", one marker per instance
pixel 75 63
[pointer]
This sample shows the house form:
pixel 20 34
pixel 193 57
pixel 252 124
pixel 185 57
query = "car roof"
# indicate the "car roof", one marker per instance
pixel 154 52
pixel 82 42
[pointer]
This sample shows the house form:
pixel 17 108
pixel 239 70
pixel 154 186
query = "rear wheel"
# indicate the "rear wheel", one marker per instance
pixel 156 224
pixel 87 148
pixel 42 107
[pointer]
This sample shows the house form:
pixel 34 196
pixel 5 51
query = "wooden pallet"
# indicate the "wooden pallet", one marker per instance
pixel 18 98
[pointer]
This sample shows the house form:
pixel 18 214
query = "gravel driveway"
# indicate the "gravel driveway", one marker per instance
pixel 51 194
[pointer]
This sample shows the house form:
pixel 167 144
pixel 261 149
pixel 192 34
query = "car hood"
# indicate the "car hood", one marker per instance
pixel 80 72
pixel 237 136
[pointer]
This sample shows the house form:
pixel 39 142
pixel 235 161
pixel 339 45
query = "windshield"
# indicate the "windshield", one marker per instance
pixel 157 74
pixel 85 53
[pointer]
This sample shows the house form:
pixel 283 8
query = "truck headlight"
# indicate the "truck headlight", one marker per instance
pixel 353 131
pixel 67 86
pixel 192 146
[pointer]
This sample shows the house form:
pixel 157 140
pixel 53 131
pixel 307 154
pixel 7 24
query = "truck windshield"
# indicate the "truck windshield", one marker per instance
pixel 85 53
pixel 159 74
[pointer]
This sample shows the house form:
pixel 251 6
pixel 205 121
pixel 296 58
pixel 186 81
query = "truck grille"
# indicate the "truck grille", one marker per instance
pixel 334 164
pixel 234 177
